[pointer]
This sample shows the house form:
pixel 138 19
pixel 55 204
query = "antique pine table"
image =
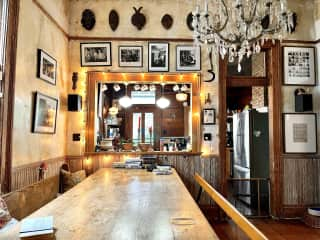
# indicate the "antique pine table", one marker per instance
pixel 125 204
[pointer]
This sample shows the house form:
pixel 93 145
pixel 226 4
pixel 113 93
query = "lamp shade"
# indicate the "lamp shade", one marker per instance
pixel 181 97
pixel 125 101
pixel 163 102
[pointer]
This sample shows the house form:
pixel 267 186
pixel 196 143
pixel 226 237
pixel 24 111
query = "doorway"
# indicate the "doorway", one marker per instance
pixel 235 91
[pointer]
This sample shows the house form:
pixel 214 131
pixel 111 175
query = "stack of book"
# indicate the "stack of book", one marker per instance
pixel 118 165
pixel 162 170
pixel 37 228
pixel 133 163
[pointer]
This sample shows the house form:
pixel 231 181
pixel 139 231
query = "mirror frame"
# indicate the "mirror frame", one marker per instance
pixel 157 78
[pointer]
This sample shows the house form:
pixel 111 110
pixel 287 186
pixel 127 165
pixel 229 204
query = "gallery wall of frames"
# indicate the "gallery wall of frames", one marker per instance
pixel 99 54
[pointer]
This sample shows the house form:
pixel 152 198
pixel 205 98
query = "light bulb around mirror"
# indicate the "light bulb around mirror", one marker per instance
pixel 163 102
pixel 125 101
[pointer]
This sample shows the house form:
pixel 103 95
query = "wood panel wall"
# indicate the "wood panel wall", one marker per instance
pixel 186 166
pixel 301 184
pixel 25 175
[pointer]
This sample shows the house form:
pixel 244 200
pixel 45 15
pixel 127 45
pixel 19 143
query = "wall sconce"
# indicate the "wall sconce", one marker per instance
pixel 74 80
pixel 207 99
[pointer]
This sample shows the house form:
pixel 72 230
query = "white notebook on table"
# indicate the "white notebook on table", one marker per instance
pixel 36 226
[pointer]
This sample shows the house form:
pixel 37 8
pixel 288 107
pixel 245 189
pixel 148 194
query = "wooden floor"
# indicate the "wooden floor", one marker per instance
pixel 274 230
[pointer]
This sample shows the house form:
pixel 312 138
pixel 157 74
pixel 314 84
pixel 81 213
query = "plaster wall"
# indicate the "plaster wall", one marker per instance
pixel 154 10
pixel 37 31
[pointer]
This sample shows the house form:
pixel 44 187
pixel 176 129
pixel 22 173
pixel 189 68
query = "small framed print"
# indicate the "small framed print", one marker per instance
pixel 44 114
pixel 130 56
pixel 300 132
pixel 95 54
pixel 299 66
pixel 188 58
pixel 208 116
pixel 47 67
pixel 158 60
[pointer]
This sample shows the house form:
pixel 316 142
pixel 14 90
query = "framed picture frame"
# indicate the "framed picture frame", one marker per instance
pixel 208 116
pixel 44 114
pixel 188 58
pixel 158 57
pixel 130 56
pixel 95 54
pixel 299 66
pixel 300 132
pixel 46 67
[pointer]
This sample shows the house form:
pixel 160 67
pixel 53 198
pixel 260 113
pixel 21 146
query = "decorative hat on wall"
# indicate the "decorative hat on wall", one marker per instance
pixel 138 19
pixel 88 19
pixel 114 19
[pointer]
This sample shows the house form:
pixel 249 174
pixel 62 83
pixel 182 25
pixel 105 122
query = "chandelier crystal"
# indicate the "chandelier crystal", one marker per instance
pixel 239 28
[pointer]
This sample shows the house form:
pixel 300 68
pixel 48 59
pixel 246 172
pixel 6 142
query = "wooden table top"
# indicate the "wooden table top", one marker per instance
pixel 125 204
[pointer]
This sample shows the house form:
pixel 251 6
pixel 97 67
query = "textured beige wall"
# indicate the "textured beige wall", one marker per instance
pixel 36 31
pixel 153 10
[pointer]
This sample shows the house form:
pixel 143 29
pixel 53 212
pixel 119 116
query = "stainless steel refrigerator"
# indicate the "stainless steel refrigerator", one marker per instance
pixel 251 154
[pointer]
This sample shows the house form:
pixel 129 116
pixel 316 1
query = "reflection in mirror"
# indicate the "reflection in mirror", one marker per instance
pixel 130 118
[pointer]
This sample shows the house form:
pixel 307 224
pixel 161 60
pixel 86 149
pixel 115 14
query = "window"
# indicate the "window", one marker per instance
pixel 143 128
pixel 143 97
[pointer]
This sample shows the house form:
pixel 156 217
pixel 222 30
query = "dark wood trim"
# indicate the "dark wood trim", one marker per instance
pixel 7 102
pixel 129 39
pixel 222 116
pixel 50 18
pixel 273 60
pixel 293 211
pixel 289 41
pixel 275 127
pixel 247 81
pixel 300 156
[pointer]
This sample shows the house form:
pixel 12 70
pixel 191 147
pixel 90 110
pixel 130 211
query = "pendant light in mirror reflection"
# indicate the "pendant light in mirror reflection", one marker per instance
pixel 163 102
pixel 181 96
pixel 125 101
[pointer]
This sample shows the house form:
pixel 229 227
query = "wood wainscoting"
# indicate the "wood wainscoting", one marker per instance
pixel 25 175
pixel 186 166
pixel 301 184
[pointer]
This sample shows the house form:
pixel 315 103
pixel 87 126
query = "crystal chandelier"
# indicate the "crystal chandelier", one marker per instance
pixel 239 28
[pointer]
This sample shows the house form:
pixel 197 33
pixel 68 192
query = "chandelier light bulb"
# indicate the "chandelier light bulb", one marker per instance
pixel 239 28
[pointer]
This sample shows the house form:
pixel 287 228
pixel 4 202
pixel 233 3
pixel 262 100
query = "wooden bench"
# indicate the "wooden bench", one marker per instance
pixel 25 201
pixel 243 223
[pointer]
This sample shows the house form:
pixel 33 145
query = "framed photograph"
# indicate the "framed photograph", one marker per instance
pixel 300 132
pixel 208 116
pixel 130 56
pixel 95 54
pixel 158 57
pixel 188 58
pixel 299 66
pixel 44 114
pixel 47 67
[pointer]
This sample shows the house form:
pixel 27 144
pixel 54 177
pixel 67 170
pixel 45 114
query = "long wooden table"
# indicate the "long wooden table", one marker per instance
pixel 125 204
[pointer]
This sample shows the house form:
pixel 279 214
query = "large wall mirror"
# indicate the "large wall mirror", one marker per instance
pixel 143 112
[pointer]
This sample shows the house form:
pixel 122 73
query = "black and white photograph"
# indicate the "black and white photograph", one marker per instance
pixel 44 114
pixel 299 66
pixel 158 57
pixel 130 56
pixel 300 132
pixel 47 67
pixel 188 58
pixel 95 54
pixel 209 116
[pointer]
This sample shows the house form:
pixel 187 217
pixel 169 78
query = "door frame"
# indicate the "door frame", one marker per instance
pixel 273 63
